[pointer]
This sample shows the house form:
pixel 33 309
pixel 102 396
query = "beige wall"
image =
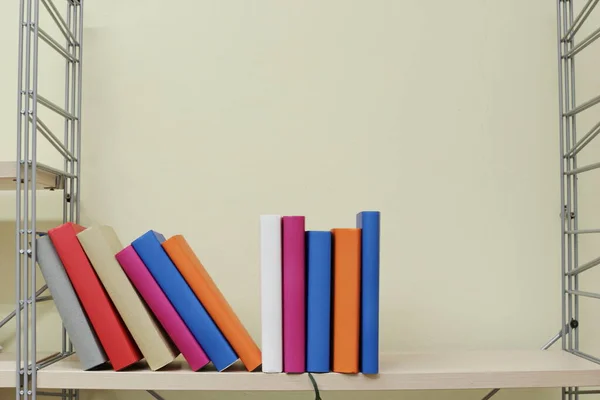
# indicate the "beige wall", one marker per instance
pixel 199 116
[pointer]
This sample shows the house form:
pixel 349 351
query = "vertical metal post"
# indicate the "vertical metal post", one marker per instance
pixel 562 171
pixel 79 113
pixel 21 117
pixel 31 233
pixel 571 62
pixel 26 193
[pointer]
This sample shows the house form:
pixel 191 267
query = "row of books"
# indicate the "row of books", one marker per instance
pixel 152 300
pixel 320 296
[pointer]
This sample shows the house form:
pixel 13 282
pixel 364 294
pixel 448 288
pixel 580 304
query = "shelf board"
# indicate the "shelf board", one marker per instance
pixel 408 371
pixel 46 177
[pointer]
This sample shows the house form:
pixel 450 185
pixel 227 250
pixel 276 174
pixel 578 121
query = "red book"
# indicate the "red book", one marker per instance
pixel 112 333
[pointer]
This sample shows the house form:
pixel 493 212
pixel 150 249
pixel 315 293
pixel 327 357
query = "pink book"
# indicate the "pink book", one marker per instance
pixel 294 295
pixel 161 307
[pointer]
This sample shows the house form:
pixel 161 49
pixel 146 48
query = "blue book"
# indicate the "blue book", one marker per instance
pixel 369 222
pixel 149 248
pixel 318 321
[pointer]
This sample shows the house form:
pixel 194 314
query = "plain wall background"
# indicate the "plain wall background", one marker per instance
pixel 199 116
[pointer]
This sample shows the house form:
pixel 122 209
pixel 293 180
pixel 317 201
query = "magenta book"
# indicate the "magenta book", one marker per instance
pixel 162 308
pixel 294 295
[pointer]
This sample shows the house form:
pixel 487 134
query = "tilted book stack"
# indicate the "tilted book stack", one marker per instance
pixel 151 299
pixel 320 296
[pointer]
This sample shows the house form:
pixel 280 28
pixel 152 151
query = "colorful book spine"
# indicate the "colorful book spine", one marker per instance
pixel 294 295
pixel 108 325
pixel 161 307
pixel 213 300
pixel 369 223
pixel 346 299
pixel 271 293
pixel 81 333
pixel 318 333
pixel 101 243
pixel 149 248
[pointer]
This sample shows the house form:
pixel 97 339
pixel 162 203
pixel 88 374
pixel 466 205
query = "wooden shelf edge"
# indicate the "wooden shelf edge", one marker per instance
pixel 399 371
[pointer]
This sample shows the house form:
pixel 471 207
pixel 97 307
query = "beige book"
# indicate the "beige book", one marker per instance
pixel 101 243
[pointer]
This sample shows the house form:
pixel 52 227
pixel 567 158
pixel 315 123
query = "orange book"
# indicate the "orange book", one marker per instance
pixel 346 299
pixel 213 300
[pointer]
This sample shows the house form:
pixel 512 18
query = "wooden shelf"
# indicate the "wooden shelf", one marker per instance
pixel 47 177
pixel 411 371
pixel 49 204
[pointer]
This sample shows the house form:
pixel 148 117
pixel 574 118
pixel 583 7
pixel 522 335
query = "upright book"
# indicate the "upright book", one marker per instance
pixel 369 223
pixel 346 299
pixel 162 308
pixel 318 293
pixel 271 309
pixel 213 300
pixel 89 350
pixel 108 325
pixel 294 295
pixel 149 248
pixel 101 243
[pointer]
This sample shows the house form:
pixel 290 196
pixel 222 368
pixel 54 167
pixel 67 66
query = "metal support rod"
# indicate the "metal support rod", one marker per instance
pixel 584 267
pixel 79 112
pixel 55 45
pixel 584 294
pixel 51 137
pixel 583 44
pixel 578 23
pixel 585 140
pixel 14 312
pixel 586 168
pixel 582 231
pixel 546 346
pixel 562 172
pixel 52 106
pixel 21 118
pixel 155 395
pixel 577 391
pixel 32 261
pixel 583 107
pixel 60 22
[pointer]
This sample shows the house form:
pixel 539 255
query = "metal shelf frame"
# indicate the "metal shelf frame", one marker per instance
pixel 29 124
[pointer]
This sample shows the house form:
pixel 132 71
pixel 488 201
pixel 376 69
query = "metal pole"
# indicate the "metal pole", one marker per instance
pixel 32 260
pixel 562 177
pixel 571 63
pixel 79 112
pixel 26 193
pixel 21 115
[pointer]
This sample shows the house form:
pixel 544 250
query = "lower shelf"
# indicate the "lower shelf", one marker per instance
pixel 47 177
pixel 408 371
pixel 399 371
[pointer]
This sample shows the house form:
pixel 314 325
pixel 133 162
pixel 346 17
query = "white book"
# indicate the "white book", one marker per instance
pixel 271 297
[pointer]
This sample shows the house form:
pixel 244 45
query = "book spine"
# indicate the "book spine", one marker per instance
pixel 318 254
pixel 294 295
pixel 271 293
pixel 162 308
pixel 205 289
pixel 346 299
pixel 149 248
pixel 106 321
pixel 89 349
pixel 101 243
pixel 369 223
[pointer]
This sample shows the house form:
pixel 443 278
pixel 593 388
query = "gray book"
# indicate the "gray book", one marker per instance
pixel 82 335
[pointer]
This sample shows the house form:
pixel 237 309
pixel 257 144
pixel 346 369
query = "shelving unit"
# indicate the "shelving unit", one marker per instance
pixel 28 371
